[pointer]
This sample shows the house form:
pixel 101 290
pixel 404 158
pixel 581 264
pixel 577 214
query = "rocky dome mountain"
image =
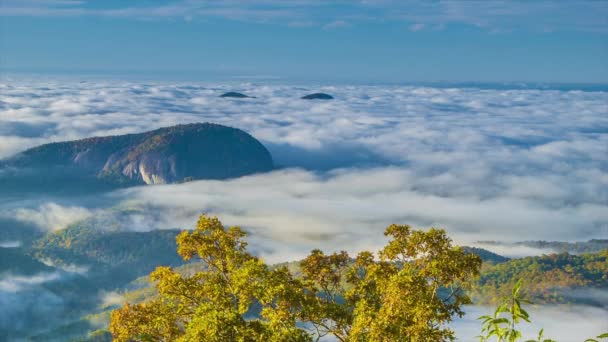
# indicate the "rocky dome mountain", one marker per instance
pixel 317 96
pixel 166 155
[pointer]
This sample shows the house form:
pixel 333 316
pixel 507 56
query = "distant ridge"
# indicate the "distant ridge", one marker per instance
pixel 317 96
pixel 236 95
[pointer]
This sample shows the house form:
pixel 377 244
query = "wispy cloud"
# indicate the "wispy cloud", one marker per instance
pixel 417 27
pixel 336 24
pixel 10 244
pixel 494 15
pixel 51 216
pixel 17 283
pixel 302 24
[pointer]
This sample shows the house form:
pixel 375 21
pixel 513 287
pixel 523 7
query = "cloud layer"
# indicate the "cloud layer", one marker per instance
pixel 290 212
pixel 483 163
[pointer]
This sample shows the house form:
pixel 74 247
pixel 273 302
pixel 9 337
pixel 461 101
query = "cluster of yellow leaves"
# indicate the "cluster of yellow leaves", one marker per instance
pixel 408 293
pixel 415 287
pixel 211 305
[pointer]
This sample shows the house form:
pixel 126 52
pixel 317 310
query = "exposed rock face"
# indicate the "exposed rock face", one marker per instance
pixel 235 95
pixel 166 155
pixel 318 96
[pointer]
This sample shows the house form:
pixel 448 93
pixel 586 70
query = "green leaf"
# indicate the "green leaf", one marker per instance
pixel 517 287
pixel 500 321
pixel 502 308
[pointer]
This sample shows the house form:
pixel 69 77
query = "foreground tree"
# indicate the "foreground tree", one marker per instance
pixel 211 305
pixel 408 293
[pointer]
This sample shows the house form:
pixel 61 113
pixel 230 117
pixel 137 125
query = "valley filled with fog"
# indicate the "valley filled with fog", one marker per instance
pixel 461 158
pixel 486 164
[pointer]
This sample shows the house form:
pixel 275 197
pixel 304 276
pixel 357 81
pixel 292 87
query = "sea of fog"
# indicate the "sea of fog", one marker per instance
pixel 485 164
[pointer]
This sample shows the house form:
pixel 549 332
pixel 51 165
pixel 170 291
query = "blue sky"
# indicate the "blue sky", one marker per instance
pixel 364 41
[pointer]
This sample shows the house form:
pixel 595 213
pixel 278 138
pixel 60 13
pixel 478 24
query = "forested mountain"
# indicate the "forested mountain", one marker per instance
pixel 554 278
pixel 486 255
pixel 74 267
pixel 113 254
pixel 166 155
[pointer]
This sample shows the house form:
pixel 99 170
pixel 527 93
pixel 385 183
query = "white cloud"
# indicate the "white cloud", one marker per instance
pixel 65 106
pixel 336 24
pixel 111 298
pixel 301 24
pixel 70 268
pixel 16 283
pixel 290 212
pixel 51 216
pixel 514 251
pixel 417 27
pixel 10 244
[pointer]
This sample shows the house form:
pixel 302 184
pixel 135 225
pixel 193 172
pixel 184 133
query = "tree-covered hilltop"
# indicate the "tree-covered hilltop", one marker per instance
pixel 555 278
pixel 103 244
pixel 486 255
pixel 166 155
